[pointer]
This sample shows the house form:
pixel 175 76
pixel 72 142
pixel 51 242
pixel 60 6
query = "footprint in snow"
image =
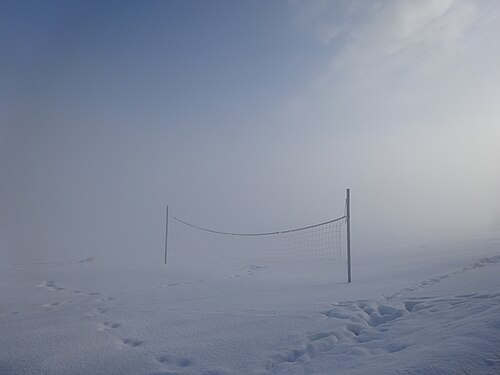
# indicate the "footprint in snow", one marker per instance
pixel 49 305
pixel 175 361
pixel 111 325
pixel 132 342
pixel 364 321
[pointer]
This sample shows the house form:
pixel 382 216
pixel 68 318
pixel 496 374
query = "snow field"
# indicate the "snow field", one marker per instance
pixel 433 309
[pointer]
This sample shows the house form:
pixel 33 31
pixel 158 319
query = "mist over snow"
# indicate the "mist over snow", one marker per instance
pixel 246 117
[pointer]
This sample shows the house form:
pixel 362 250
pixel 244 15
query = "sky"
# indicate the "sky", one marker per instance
pixel 245 116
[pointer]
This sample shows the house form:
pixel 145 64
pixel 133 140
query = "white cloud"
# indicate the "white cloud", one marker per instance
pixel 409 93
pixel 383 56
pixel 370 39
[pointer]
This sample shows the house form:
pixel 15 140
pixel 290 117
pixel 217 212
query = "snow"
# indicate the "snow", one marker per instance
pixel 424 309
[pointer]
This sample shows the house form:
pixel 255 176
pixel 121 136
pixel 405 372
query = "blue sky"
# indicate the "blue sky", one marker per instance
pixel 251 115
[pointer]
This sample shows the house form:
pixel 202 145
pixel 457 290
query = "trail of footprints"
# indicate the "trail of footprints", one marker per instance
pixel 366 321
pixel 106 326
pixel 483 262
pixel 362 322
pixel 361 319
pixel 171 363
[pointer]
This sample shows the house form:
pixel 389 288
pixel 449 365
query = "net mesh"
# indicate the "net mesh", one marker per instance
pixel 319 241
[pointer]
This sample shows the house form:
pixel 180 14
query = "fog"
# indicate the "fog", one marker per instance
pixel 245 117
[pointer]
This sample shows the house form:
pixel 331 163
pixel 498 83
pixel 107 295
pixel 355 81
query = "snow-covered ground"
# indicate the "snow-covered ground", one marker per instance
pixel 426 309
